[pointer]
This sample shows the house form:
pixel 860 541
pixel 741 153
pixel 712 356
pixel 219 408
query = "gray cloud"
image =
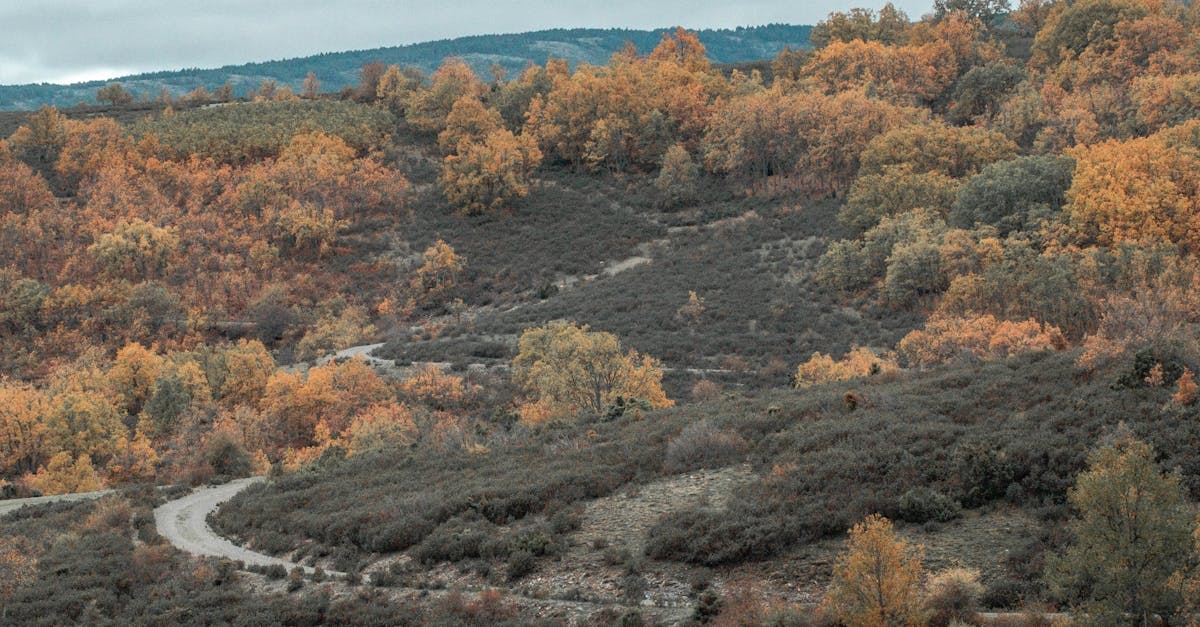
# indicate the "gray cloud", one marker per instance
pixel 62 40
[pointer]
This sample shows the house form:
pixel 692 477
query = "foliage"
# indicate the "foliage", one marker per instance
pixel 574 369
pixel 1012 195
pixel 1131 535
pixel 877 580
pixel 240 133
pixel 488 176
pixel 859 362
pixel 945 339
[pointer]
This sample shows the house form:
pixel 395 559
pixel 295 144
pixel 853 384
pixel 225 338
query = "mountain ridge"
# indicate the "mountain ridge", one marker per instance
pixel 338 69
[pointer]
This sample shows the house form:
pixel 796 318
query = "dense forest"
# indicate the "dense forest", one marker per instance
pixel 891 330
pixel 340 69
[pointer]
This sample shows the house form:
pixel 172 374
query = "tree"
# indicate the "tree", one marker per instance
pixel 469 121
pixel 490 175
pixel 133 375
pixel 877 579
pixel 395 87
pixel 39 141
pixel 439 271
pixel 956 151
pixel 245 368
pixel 894 191
pixel 1010 195
pixel 678 178
pixel 312 85
pixel 983 10
pixel 24 437
pixel 1141 191
pixel 64 475
pixel 135 248
pixel 427 109
pixel 890 27
pixel 573 369
pixel 114 94
pixel 1131 534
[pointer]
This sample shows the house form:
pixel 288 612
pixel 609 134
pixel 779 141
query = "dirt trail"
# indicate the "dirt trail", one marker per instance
pixel 184 523
pixel 13 505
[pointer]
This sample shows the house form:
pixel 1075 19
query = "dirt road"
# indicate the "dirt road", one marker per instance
pixel 184 523
pixel 12 505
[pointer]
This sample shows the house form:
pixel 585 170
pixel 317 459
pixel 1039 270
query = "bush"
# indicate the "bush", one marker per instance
pixel 701 445
pixel 520 563
pixel 275 572
pixel 952 595
pixel 922 504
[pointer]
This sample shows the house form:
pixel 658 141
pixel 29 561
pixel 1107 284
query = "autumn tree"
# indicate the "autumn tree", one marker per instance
pixel 1132 533
pixel 469 121
pixel 114 94
pixel 133 375
pixel 955 151
pixel 859 362
pixel 370 75
pixel 889 27
pixel 242 371
pixel 490 175
pixel 427 109
pixel 1144 190
pixel 39 141
pixel 66 475
pixel 877 579
pixel 25 440
pixel 944 340
pixel 571 369
pixel 395 87
pixel 135 248
pixel 312 86
pixel 439 271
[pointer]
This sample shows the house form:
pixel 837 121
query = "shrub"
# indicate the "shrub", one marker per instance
pixel 922 504
pixel 701 445
pixel 275 572
pixel 520 563
pixel 952 595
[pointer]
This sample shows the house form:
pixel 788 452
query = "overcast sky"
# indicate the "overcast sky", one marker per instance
pixel 63 41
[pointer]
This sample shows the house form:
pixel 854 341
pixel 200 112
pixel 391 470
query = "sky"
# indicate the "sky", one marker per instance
pixel 65 41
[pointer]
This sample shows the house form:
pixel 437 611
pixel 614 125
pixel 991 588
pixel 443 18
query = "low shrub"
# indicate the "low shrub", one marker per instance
pixel 702 445
pixel 920 505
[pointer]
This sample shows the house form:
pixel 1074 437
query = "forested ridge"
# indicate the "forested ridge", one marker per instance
pixel 933 282
pixel 340 69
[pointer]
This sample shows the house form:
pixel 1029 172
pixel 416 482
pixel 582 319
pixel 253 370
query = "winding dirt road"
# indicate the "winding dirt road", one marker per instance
pixel 184 523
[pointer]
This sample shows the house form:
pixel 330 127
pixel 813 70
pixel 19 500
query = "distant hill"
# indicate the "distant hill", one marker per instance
pixel 338 69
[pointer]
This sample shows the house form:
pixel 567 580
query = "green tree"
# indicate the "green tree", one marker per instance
pixel 1011 195
pixel 678 178
pixel 1132 534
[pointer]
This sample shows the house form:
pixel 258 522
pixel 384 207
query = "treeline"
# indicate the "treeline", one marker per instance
pixel 339 69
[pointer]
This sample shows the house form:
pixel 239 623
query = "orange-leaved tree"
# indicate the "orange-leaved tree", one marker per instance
pixel 877 579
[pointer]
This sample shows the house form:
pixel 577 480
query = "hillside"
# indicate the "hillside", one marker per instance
pixel 645 342
pixel 339 69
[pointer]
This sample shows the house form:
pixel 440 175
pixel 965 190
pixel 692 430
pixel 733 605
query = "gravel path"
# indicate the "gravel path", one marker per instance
pixel 13 505
pixel 184 523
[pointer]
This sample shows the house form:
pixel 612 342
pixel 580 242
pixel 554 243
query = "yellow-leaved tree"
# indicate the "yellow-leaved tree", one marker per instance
pixel 877 580
pixel 567 368
pixel 488 175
